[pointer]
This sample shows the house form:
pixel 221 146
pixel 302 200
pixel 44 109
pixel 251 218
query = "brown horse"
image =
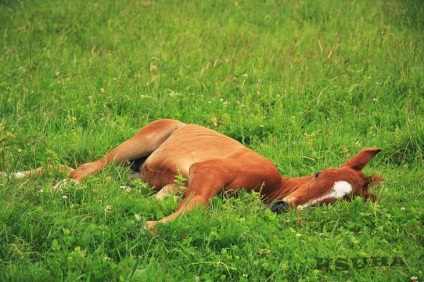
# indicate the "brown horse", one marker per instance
pixel 211 162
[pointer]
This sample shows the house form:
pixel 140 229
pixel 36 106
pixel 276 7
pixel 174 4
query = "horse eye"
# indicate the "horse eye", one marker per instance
pixel 318 173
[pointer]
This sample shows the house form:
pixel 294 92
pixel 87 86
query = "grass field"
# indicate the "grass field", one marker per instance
pixel 305 83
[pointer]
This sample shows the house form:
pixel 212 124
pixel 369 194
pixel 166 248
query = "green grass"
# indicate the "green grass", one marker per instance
pixel 304 83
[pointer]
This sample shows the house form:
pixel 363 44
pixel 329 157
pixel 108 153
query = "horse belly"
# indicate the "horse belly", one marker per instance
pixel 159 172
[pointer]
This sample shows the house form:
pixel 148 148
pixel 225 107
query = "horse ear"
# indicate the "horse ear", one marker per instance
pixel 362 158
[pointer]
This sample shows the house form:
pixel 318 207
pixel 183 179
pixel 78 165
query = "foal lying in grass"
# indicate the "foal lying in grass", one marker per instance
pixel 212 162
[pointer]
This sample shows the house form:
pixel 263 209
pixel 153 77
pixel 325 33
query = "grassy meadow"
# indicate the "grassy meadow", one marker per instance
pixel 305 83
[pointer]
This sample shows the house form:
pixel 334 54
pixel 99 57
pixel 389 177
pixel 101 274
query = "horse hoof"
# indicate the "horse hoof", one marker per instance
pixel 279 207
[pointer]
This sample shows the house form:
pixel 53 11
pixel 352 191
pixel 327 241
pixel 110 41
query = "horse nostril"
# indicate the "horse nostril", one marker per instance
pixel 279 207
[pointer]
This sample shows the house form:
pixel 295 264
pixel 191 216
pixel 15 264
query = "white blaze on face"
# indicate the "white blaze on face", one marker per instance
pixel 338 191
pixel 341 188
